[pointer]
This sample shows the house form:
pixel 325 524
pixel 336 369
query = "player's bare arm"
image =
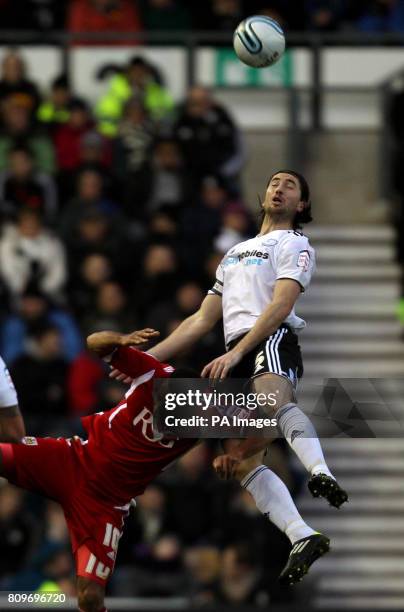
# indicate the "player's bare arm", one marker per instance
pixel 286 292
pixel 190 330
pixel 12 427
pixel 105 342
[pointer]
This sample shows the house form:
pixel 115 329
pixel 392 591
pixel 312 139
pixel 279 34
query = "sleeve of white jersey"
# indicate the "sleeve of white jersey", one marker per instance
pixel 296 260
pixel 217 288
pixel 8 394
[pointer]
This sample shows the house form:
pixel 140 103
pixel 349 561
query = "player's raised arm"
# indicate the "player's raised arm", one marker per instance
pixel 105 342
pixel 191 329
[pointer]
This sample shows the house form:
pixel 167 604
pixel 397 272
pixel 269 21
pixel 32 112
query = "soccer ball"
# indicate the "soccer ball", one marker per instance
pixel 259 41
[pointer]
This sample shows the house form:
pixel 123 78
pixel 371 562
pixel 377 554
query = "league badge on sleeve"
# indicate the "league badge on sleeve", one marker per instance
pixel 303 261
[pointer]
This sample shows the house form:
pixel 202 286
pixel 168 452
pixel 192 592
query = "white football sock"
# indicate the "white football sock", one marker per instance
pixel 301 436
pixel 273 499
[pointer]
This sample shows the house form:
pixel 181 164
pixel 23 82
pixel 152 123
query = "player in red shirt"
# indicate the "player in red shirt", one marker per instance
pixel 95 480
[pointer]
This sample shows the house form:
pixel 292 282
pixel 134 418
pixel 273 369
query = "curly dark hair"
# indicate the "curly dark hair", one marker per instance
pixel 305 215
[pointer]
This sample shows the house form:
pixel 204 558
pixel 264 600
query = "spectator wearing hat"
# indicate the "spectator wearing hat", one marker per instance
pixel 139 79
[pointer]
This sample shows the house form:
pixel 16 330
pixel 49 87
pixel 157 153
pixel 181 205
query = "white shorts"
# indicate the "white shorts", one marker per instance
pixel 8 394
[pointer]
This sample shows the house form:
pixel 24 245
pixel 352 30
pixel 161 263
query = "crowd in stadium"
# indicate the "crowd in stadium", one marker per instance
pixel 215 15
pixel 115 217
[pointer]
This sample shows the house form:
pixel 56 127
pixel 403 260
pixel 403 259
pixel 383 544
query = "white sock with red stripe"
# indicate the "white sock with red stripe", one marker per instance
pixel 273 499
pixel 301 436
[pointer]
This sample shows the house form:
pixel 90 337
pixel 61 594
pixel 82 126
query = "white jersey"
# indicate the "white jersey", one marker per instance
pixel 247 274
pixel 8 394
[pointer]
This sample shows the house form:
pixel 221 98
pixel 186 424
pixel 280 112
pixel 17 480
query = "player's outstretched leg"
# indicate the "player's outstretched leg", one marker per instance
pixel 273 499
pixel 302 437
pixel 90 595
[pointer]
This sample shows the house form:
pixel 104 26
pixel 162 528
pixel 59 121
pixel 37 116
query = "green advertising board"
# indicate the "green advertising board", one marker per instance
pixel 229 70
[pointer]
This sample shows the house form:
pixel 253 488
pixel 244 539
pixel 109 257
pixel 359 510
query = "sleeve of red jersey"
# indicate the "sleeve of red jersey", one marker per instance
pixel 135 363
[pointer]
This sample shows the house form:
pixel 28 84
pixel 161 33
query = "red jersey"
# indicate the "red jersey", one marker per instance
pixel 123 454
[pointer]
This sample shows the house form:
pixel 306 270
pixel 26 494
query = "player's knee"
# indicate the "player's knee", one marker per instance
pixel 90 597
pixel 248 465
pixel 277 389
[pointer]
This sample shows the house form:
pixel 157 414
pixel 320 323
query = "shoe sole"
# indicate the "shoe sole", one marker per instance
pixel 329 489
pixel 296 573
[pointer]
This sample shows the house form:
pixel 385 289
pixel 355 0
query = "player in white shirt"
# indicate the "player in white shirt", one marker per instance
pixel 11 422
pixel 258 283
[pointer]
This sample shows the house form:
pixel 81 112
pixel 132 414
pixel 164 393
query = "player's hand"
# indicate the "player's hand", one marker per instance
pixel 220 367
pixel 225 466
pixel 138 337
pixel 120 376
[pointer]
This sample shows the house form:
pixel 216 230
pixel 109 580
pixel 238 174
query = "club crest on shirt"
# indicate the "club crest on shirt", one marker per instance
pixel 29 441
pixel 303 261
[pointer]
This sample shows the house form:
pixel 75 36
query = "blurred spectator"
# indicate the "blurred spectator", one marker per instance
pixel 163 225
pixel 241 580
pixel 54 110
pixel 18 531
pixel 325 15
pixel 17 129
pixel 104 16
pixel 289 14
pixel 166 15
pixel 34 312
pixel 219 15
pixel 210 141
pixel 138 79
pixel 40 375
pixel 235 228
pixel 89 198
pixel 149 561
pixel 22 187
pixel 50 570
pixel 187 300
pixel 67 136
pixel 158 278
pixel 94 270
pixel 46 15
pixel 169 182
pixel 191 497
pixel 14 84
pixel 29 253
pixel 203 565
pixel 201 223
pixel 382 16
pixel 111 311
pixel 131 157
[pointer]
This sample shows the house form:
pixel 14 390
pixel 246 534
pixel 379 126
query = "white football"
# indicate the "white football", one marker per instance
pixel 259 41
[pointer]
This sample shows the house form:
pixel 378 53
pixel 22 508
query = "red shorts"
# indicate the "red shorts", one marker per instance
pixel 52 468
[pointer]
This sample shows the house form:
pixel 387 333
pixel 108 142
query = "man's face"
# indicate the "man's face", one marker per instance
pixel 283 197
